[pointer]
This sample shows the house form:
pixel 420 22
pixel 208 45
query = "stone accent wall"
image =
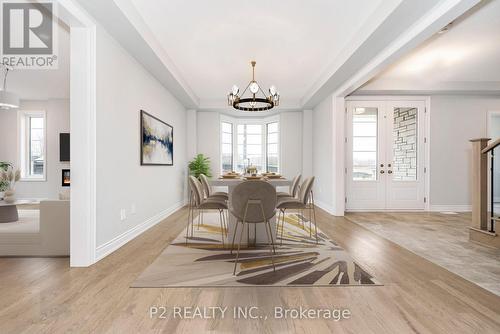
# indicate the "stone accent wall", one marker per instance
pixel 405 144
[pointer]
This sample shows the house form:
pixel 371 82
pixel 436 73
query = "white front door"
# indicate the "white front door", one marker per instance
pixel 385 155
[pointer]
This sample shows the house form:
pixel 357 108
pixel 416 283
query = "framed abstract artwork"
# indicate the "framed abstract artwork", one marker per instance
pixel 157 141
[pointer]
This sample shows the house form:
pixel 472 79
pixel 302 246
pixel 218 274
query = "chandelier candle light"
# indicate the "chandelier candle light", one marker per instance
pixel 253 102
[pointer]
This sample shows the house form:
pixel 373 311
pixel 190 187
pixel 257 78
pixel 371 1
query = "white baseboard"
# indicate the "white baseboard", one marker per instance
pixel 117 242
pixel 385 210
pixel 454 208
pixel 325 207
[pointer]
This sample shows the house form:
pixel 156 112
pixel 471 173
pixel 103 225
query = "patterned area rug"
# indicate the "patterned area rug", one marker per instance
pixel 204 261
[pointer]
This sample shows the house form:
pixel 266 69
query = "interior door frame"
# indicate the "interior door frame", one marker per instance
pixel 427 142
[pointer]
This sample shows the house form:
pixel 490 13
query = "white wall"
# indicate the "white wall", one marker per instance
pixel 328 154
pixel 208 138
pixel 58 120
pixel 322 153
pixel 307 142
pixel 124 87
pixel 454 121
pixel 291 143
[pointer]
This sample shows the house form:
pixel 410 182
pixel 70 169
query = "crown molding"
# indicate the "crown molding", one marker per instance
pixel 122 21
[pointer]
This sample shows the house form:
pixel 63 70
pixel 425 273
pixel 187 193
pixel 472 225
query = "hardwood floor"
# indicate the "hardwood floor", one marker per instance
pixel 440 238
pixel 45 296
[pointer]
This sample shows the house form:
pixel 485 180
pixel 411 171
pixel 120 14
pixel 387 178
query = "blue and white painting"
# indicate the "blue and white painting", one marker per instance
pixel 157 141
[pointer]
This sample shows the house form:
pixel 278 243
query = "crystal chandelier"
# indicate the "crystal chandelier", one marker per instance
pixel 253 102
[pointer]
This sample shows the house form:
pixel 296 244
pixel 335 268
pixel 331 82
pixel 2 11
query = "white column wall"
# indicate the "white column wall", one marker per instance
pixel 147 194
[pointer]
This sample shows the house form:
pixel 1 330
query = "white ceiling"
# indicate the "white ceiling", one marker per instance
pixel 45 84
pixel 466 58
pixel 212 43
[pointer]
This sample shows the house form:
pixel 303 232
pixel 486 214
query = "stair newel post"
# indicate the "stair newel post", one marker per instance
pixel 479 184
pixel 492 199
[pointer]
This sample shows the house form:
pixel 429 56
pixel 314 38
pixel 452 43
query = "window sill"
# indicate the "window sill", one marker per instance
pixel 33 179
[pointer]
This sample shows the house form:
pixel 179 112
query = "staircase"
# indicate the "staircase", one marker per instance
pixel 484 222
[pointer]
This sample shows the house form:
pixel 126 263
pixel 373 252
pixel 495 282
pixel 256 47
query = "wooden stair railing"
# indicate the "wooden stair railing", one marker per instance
pixel 478 231
pixel 479 184
pixel 490 149
pixel 491 146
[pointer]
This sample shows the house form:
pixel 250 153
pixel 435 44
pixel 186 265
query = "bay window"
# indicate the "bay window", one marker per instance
pixel 227 147
pixel 249 149
pixel 272 139
pixel 253 143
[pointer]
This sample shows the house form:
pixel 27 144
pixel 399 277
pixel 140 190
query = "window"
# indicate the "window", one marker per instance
pixel 250 148
pixel 272 157
pixel 33 157
pixel 364 144
pixel 227 147
pixel 249 143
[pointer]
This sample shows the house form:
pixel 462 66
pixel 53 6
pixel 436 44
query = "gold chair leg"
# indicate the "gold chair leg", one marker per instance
pixel 314 214
pixel 221 227
pixel 241 236
pixel 269 234
pixel 224 216
pixel 278 222
pixel 188 220
pixel 234 235
pixel 199 217
pixel 239 245
pixel 310 221
pixel 270 243
pixel 272 239
pixel 282 225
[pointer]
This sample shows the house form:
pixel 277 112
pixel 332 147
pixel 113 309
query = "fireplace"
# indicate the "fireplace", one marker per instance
pixel 66 177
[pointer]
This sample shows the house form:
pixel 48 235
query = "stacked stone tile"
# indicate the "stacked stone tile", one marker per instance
pixel 405 144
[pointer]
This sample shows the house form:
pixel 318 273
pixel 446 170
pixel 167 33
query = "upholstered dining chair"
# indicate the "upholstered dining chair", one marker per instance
pixel 199 203
pixel 208 189
pixel 304 201
pixel 293 188
pixel 253 202
pixel 209 194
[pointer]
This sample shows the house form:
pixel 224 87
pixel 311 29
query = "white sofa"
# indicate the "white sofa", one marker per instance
pixel 52 238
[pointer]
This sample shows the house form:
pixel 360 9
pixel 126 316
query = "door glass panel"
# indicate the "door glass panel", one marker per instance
pixel 405 142
pixel 364 149
pixel 364 144
pixel 364 129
